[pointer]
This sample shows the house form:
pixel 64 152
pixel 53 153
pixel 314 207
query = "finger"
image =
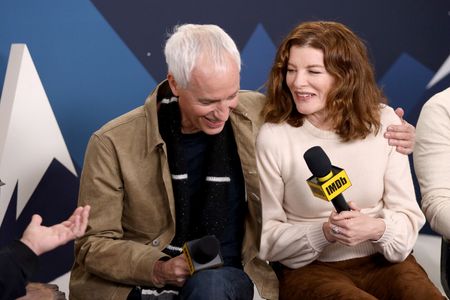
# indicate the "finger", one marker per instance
pixel 340 234
pixel 51 286
pixel 335 218
pixel 403 140
pixel 78 211
pixel 406 144
pixel 400 142
pixel 80 221
pixel 85 216
pixel 404 126
pixel 77 228
pixel 180 282
pixel 86 209
pixel 395 138
pixel 400 112
pixel 344 215
pixel 353 206
pixel 61 296
pixel 333 214
pixel 394 130
pixel 67 223
pixel 405 151
pixel 335 230
pixel 178 278
pixel 403 147
pixel 36 220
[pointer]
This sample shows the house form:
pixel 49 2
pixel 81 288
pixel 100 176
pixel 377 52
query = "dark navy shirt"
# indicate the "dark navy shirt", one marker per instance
pixel 195 147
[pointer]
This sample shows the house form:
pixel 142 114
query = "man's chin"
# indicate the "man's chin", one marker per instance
pixel 213 130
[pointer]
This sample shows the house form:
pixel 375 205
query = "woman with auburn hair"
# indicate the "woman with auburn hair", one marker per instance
pixel 322 92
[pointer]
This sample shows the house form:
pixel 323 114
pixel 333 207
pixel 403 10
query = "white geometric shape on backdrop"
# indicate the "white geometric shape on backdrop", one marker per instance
pixel 443 71
pixel 30 137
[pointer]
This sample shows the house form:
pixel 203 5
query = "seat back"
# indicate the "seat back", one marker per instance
pixel 445 265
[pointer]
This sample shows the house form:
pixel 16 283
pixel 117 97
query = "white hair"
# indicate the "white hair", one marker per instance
pixel 191 41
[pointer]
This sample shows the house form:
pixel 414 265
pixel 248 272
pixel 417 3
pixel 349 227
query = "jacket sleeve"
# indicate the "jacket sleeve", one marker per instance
pixel 17 265
pixel 103 250
pixel 431 161
pixel 294 245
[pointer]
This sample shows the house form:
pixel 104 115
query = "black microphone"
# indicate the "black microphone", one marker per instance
pixel 203 253
pixel 328 182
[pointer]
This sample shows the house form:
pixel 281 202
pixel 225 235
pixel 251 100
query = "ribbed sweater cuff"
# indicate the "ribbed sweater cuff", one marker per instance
pixel 388 234
pixel 317 238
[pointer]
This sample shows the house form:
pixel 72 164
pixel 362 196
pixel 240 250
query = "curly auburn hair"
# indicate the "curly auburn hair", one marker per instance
pixel 353 103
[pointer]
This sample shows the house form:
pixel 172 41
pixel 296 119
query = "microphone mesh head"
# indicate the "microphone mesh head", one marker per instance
pixel 207 249
pixel 318 162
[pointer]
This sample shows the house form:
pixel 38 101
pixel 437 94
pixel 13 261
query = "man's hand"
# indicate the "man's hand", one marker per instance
pixel 401 136
pixel 43 291
pixel 41 239
pixel 174 271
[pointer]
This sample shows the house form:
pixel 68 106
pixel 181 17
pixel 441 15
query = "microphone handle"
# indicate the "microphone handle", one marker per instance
pixel 340 204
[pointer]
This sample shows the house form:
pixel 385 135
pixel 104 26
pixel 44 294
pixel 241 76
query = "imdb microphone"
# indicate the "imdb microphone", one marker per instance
pixel 203 253
pixel 327 182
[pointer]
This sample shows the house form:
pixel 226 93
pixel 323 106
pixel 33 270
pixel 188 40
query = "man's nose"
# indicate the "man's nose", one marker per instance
pixel 222 110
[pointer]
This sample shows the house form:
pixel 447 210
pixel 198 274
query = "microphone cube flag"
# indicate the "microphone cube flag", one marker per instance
pixel 332 187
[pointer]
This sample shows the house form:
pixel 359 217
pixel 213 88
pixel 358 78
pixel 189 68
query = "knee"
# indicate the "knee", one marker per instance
pixel 204 285
pixel 216 284
pixel 209 278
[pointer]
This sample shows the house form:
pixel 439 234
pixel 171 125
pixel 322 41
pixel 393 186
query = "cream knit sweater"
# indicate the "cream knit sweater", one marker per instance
pixel 432 161
pixel 292 217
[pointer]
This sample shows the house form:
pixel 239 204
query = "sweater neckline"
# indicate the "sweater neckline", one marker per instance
pixel 319 133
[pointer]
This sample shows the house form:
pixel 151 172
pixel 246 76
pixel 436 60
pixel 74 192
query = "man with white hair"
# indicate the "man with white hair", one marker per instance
pixel 179 168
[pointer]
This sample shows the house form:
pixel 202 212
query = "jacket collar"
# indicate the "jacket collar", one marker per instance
pixel 151 112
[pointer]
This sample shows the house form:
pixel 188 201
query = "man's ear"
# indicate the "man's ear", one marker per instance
pixel 173 84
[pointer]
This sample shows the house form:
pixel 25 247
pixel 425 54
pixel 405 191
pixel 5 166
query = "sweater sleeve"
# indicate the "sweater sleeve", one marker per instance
pixel 294 245
pixel 17 265
pixel 401 212
pixel 431 160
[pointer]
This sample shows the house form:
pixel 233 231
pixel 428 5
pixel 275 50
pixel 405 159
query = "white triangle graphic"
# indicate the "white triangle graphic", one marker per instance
pixel 443 71
pixel 30 137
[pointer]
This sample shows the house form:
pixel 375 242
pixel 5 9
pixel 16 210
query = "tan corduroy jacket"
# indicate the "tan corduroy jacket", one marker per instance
pixel 127 182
